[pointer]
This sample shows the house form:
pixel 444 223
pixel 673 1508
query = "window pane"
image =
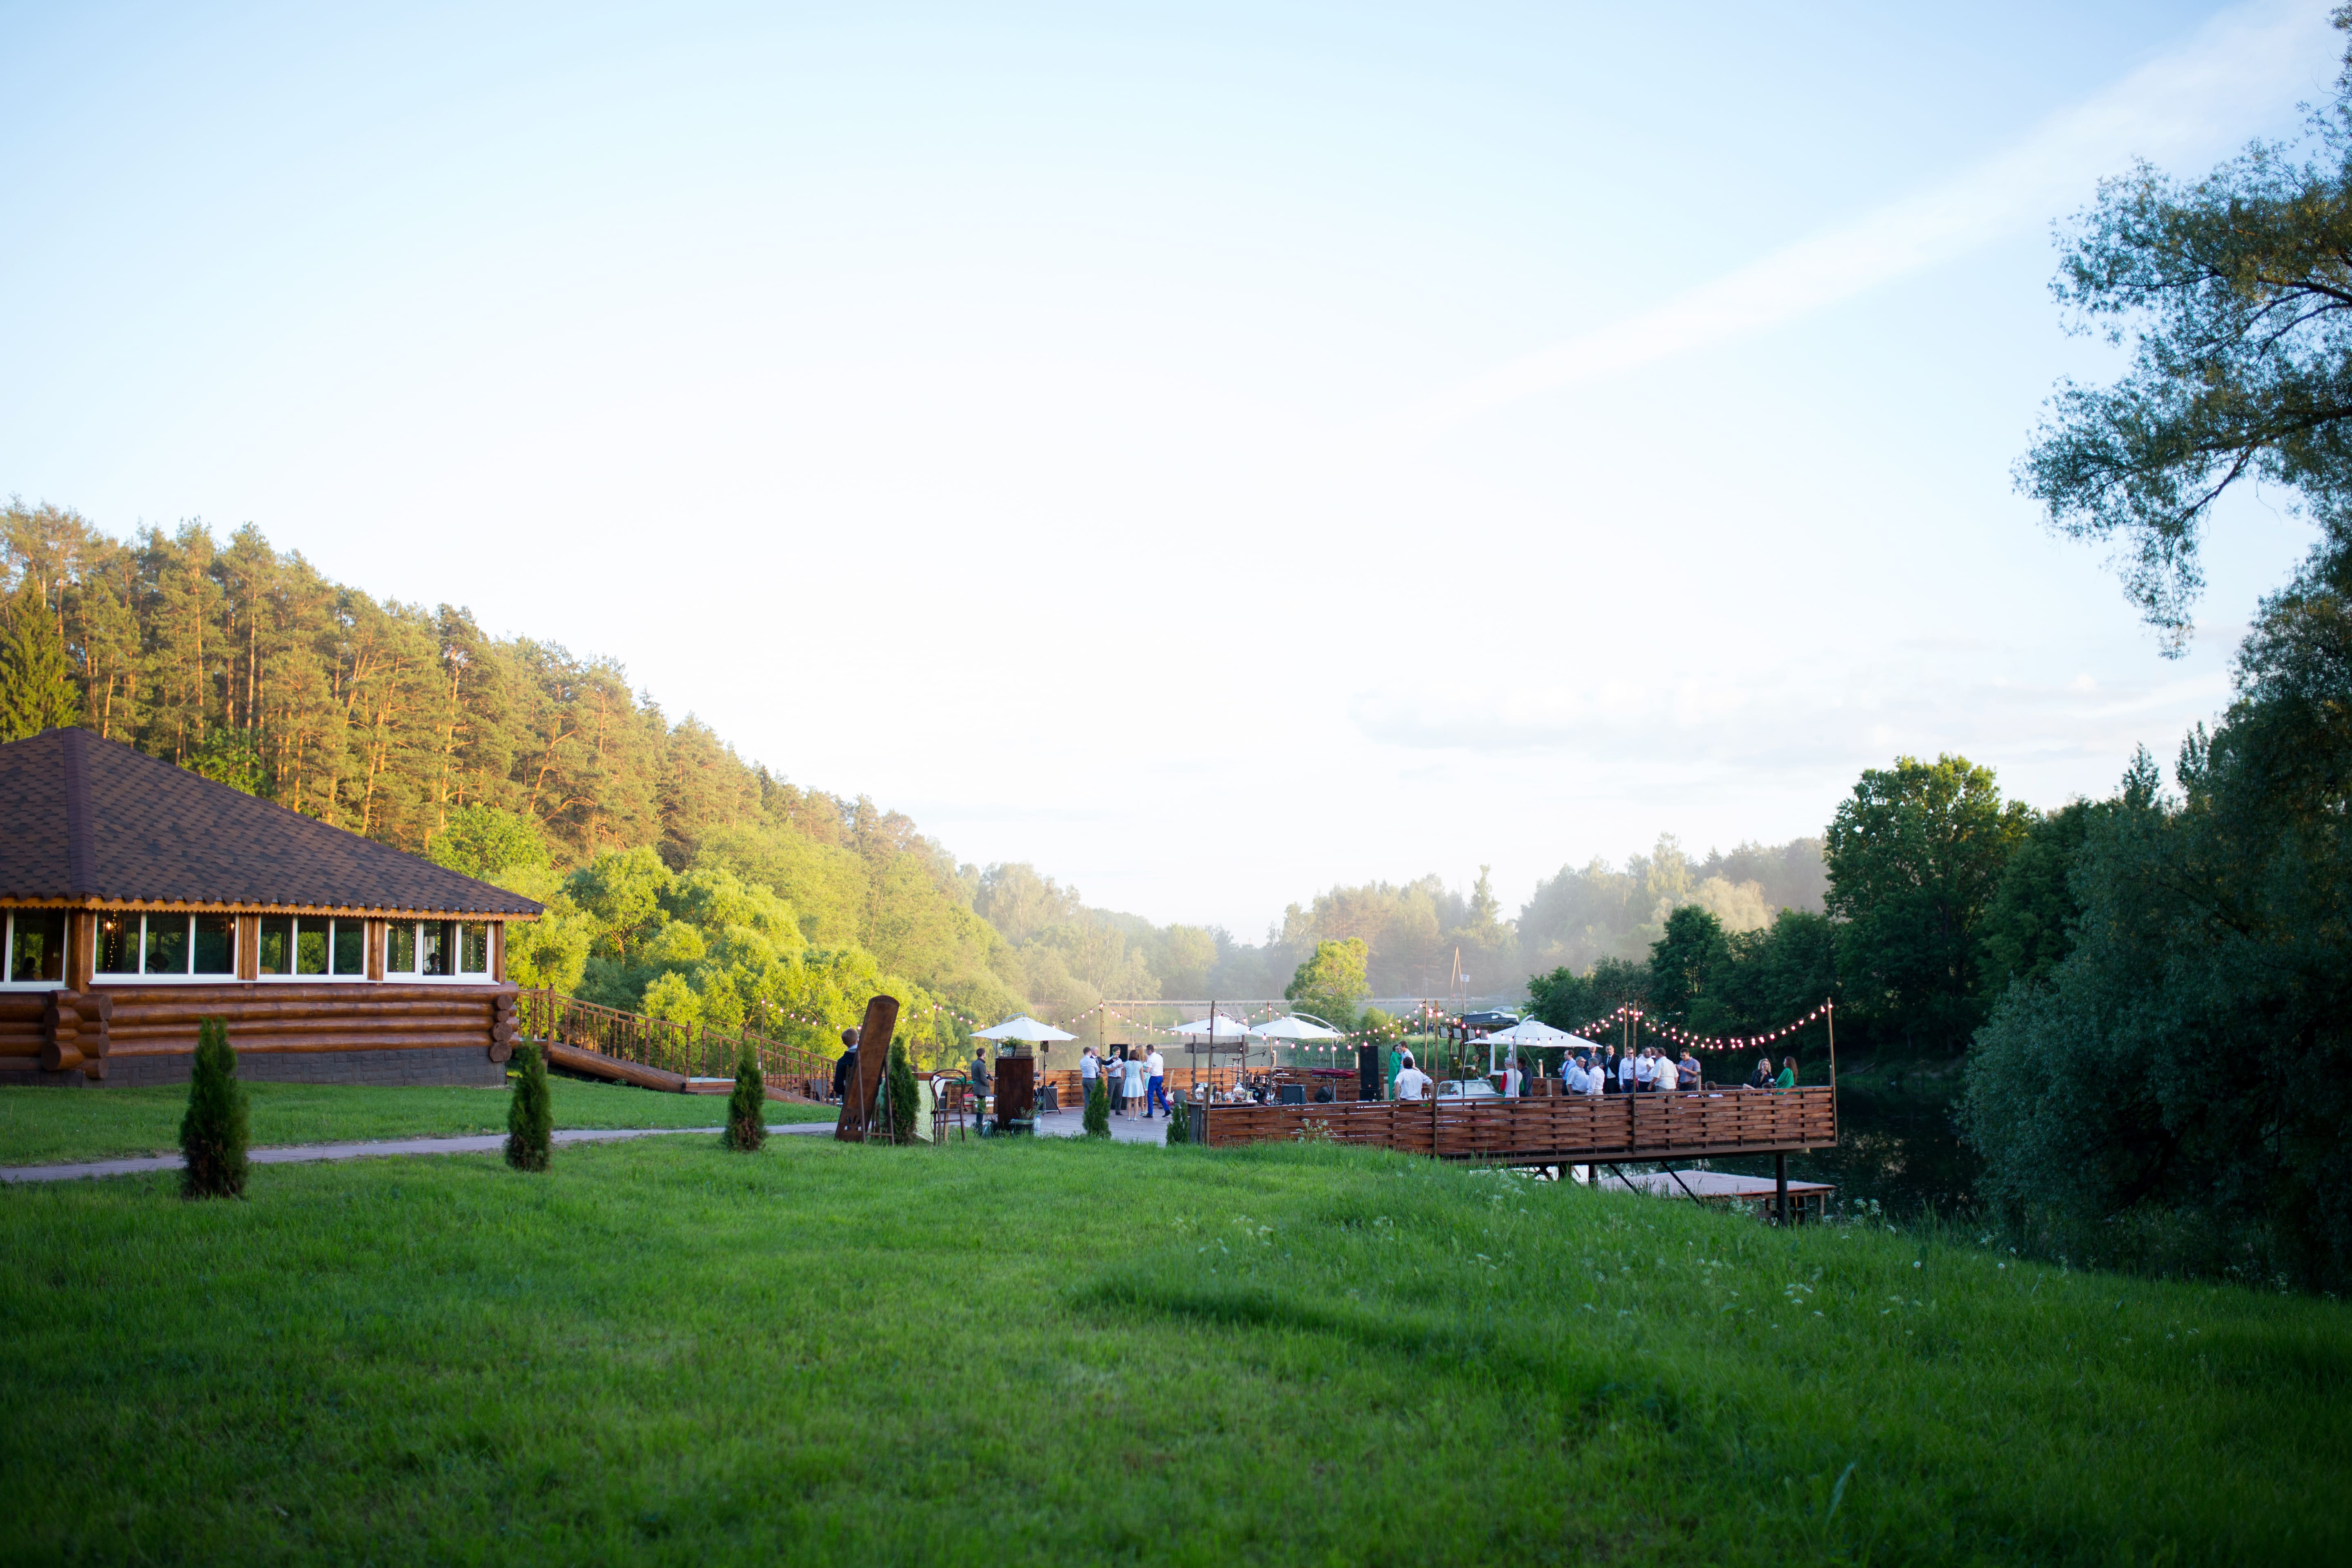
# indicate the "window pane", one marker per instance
pixel 311 946
pixel 474 948
pixel 37 949
pixel 118 944
pixel 167 944
pixel 436 952
pixel 215 945
pixel 400 949
pixel 350 947
pixel 277 956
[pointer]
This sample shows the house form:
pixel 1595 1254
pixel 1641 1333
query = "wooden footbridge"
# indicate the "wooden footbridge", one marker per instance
pixel 1548 1130
pixel 652 1053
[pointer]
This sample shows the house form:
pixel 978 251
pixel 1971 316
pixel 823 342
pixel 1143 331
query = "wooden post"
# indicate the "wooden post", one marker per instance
pixel 1781 1182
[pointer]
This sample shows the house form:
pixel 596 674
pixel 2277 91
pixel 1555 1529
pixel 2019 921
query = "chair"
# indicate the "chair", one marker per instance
pixel 947 1109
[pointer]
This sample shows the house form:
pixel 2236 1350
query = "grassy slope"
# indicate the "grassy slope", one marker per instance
pixel 1058 1352
pixel 44 1126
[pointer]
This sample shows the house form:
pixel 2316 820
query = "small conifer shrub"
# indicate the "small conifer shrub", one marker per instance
pixel 531 1115
pixel 1180 1121
pixel 905 1102
pixel 1098 1117
pixel 747 1108
pixel 212 1133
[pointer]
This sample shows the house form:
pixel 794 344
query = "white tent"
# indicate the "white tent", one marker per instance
pixel 1295 1027
pixel 1536 1032
pixel 1024 1028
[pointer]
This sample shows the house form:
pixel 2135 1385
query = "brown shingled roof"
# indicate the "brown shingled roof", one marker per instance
pixel 88 820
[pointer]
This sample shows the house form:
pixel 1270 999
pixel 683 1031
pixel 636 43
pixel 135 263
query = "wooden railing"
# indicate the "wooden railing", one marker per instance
pixel 1575 1129
pixel 689 1051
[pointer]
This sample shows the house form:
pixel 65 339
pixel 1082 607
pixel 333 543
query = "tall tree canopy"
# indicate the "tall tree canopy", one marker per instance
pixel 1915 855
pixel 2235 291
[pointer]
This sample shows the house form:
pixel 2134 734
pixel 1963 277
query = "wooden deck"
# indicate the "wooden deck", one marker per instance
pixel 1569 1128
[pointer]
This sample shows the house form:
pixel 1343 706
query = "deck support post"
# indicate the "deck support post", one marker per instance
pixel 1781 1181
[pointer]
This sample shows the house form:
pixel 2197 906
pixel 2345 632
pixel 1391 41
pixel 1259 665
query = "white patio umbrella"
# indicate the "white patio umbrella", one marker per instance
pixel 1226 1028
pixel 1024 1028
pixel 1536 1032
pixel 1295 1027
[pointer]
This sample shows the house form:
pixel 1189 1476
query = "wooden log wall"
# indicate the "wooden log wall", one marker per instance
pixel 1570 1129
pixel 55 1031
pixel 293 1017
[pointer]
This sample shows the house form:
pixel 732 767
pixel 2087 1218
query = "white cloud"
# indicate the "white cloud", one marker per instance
pixel 2180 103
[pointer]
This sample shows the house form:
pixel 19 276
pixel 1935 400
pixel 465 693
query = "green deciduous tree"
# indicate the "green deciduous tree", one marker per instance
pixel 1331 981
pixel 2029 925
pixel 213 1132
pixel 1914 855
pixel 2178 1087
pixel 2235 291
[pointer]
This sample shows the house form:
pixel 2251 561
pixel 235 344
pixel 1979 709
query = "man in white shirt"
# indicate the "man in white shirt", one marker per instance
pixel 1596 1081
pixel 1645 1072
pixel 1625 1073
pixel 1664 1074
pixel 1411 1083
pixel 1155 1073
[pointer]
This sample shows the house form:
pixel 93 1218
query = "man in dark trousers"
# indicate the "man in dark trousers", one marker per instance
pixel 845 1071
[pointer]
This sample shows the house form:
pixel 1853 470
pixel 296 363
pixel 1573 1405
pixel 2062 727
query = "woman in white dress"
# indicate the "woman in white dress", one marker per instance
pixel 1134 1085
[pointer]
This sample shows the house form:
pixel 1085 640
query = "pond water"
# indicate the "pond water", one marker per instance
pixel 1896 1147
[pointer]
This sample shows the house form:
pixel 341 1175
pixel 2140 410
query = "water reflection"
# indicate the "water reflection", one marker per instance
pixel 1900 1150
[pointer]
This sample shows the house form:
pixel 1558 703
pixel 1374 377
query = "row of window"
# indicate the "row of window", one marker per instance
pixel 167 946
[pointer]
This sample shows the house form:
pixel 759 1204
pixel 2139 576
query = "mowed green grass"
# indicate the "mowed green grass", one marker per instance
pixel 1058 1352
pixel 48 1126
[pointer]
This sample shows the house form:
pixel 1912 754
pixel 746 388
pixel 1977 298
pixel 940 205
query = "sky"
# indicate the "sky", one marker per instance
pixel 1212 452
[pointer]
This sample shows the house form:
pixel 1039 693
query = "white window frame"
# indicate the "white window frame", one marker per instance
pixel 144 976
pixel 455 977
pixel 8 952
pixel 333 976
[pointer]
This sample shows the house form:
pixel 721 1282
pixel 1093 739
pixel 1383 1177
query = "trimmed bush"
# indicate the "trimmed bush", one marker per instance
pixel 212 1134
pixel 1180 1121
pixel 531 1115
pixel 1097 1118
pixel 747 1108
pixel 906 1103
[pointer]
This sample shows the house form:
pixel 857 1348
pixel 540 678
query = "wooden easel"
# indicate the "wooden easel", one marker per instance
pixel 860 1093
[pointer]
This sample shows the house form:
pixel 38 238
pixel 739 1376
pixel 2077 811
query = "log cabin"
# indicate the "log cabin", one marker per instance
pixel 137 899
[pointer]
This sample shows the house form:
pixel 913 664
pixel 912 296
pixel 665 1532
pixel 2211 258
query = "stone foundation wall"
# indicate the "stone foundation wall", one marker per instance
pixel 444 1067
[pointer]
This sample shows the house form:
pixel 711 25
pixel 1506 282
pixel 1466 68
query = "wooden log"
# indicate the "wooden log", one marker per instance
pixel 59 1056
pixel 295 1045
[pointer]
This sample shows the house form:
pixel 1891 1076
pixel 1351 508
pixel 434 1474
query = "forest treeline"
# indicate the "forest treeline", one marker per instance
pixel 681 878
pixel 414 727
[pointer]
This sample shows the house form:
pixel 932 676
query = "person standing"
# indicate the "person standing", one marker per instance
pixel 1625 1073
pixel 1134 1085
pixel 1155 1074
pixel 1645 1071
pixel 1692 1077
pixel 844 1066
pixel 1089 1069
pixel 1411 1082
pixel 1663 1074
pixel 1596 1082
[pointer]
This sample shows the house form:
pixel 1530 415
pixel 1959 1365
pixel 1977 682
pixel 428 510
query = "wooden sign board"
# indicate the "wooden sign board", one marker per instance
pixel 865 1086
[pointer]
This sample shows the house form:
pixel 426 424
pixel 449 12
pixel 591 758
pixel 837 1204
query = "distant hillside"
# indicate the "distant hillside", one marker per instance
pixel 414 727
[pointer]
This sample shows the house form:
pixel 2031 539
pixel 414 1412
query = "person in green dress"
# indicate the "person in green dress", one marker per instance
pixel 1787 1078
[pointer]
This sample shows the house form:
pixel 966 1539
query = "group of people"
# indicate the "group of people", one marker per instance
pixel 1138 1079
pixel 1649 1070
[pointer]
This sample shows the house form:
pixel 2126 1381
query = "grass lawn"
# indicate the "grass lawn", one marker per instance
pixel 46 1126
pixel 1058 1352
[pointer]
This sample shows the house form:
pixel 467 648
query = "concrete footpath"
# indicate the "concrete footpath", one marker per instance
pixel 305 1153
pixel 1052 1124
